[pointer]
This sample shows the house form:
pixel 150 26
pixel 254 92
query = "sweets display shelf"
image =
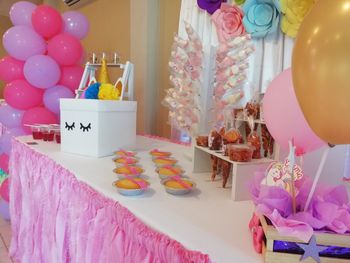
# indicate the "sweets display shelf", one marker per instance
pixel 241 172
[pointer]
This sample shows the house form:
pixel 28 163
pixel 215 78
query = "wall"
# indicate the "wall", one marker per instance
pixel 109 27
pixel 5 24
pixel 142 32
pixel 168 22
pixel 153 24
pixel 144 53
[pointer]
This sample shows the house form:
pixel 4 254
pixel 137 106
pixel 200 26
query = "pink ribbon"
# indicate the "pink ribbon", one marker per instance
pixel 178 179
pixel 143 185
pixel 171 168
pixel 127 153
pixel 128 160
pixel 164 158
pixel 133 170
pixel 157 151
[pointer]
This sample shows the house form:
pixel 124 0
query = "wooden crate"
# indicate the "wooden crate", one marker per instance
pixel 325 239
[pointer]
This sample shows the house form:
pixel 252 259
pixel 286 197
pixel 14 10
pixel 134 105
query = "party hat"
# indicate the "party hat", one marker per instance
pixel 103 77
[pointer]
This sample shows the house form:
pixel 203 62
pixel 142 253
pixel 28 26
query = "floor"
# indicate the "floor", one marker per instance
pixel 5 238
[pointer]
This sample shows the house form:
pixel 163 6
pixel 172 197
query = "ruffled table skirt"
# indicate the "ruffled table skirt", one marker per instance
pixel 56 218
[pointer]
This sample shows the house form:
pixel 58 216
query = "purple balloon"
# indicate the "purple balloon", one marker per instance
pixel 76 24
pixel 10 117
pixel 14 132
pixel 42 71
pixel 53 95
pixel 4 210
pixel 22 42
pixel 21 13
pixel 5 143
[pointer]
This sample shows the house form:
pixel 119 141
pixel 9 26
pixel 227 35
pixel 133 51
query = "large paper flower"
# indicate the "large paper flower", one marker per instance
pixel 239 2
pixel 261 17
pixel 228 22
pixel 294 13
pixel 210 5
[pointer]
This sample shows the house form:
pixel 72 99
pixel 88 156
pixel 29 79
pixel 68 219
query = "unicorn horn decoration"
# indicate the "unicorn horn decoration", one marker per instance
pixel 104 77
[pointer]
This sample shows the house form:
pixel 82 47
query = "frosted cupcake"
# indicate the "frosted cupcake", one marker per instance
pixel 122 152
pixel 166 171
pixel 132 170
pixel 131 186
pixel 125 160
pixel 156 153
pixel 177 185
pixel 161 161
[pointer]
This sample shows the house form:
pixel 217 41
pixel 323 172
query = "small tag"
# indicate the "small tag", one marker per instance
pixel 32 143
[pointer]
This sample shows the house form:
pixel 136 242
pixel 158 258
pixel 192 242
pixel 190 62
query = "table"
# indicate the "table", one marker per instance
pixel 84 219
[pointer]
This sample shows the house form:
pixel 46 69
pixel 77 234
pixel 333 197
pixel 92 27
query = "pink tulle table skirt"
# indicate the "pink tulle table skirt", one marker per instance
pixel 56 218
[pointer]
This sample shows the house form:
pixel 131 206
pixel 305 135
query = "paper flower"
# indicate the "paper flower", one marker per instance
pixel 92 91
pixel 209 5
pixel 239 2
pixel 261 17
pixel 228 22
pixel 294 13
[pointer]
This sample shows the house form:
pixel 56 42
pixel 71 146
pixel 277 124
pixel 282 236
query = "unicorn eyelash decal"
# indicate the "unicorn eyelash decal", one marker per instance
pixel 85 128
pixel 70 127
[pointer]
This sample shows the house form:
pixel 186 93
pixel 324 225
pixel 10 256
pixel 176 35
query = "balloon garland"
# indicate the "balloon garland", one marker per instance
pixel 42 66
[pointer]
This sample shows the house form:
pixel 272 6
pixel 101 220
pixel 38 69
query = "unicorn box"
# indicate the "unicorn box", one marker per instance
pixel 96 128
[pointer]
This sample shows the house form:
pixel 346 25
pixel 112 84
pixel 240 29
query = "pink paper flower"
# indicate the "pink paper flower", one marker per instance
pixel 228 22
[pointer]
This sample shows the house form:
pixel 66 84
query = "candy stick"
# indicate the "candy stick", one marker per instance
pixel 291 158
pixel 317 177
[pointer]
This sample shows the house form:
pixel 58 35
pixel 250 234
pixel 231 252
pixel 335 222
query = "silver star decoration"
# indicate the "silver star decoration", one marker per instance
pixel 311 250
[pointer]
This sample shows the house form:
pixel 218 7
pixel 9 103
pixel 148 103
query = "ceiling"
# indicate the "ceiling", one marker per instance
pixel 6 4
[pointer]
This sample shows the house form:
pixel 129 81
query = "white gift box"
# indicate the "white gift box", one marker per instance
pixel 97 128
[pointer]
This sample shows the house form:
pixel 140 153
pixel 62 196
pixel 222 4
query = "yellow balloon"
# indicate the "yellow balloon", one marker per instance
pixel 321 70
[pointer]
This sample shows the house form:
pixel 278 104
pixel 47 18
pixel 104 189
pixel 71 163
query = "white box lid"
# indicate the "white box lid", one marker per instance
pixel 97 105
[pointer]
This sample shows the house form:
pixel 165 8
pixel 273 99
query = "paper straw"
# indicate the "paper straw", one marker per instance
pixel 317 177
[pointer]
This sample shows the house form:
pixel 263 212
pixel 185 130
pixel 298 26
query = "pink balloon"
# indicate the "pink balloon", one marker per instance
pixel 4 190
pixel 11 69
pixel 284 118
pixel 65 49
pixel 4 162
pixel 71 76
pixel 83 58
pixel 21 95
pixel 47 21
pixel 38 115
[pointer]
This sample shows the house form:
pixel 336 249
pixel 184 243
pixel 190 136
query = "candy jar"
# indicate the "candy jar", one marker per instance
pixel 254 140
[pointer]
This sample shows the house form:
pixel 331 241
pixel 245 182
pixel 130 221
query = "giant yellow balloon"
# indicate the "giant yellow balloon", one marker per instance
pixel 321 70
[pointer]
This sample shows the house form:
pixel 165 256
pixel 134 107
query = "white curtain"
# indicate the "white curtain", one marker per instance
pixel 271 56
